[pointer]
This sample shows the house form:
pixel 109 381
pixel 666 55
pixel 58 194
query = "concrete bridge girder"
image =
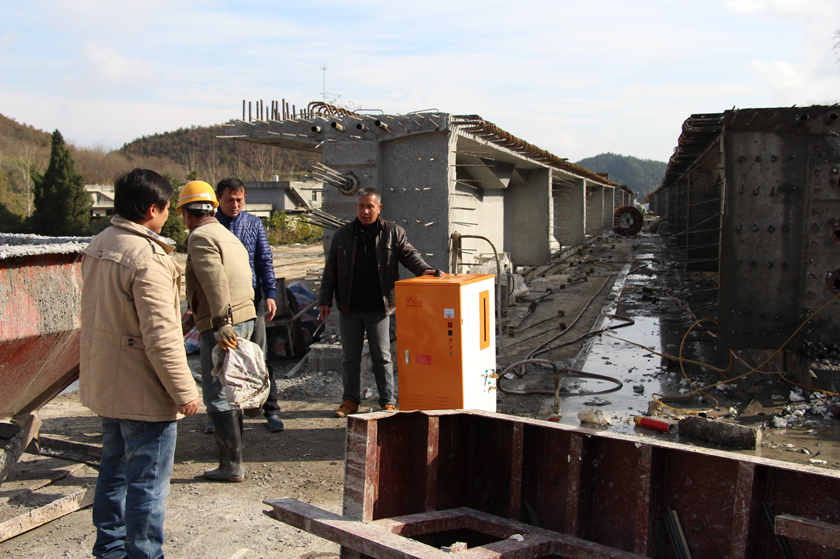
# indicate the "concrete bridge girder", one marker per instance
pixel 437 176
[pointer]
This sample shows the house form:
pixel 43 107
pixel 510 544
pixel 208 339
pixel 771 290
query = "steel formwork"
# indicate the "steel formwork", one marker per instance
pixel 782 202
pixel 754 194
pixel 40 300
pixel 40 305
pixel 603 494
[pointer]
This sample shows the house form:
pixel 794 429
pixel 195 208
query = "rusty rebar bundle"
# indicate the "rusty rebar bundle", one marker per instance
pixel 698 131
pixel 322 219
pixel 320 108
pixel 477 126
pixel 348 184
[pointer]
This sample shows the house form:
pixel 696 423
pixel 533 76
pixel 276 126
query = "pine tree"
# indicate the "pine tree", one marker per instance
pixel 62 206
pixel 174 227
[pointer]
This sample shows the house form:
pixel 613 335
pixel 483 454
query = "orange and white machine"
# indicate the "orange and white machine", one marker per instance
pixel 446 342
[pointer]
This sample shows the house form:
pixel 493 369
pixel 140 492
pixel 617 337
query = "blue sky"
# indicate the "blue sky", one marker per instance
pixel 575 78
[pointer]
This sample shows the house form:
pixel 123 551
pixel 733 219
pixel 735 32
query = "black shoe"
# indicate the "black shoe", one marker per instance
pixel 208 427
pixel 275 424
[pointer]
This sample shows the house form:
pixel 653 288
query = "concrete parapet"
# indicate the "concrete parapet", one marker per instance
pixel 325 357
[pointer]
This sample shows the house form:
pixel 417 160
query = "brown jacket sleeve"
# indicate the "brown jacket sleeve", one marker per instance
pixel 155 298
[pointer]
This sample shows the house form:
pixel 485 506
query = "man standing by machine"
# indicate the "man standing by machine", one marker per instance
pixel 133 371
pixel 249 229
pixel 222 302
pixel 360 272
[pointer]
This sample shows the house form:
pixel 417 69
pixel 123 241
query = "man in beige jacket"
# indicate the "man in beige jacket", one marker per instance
pixel 133 370
pixel 221 297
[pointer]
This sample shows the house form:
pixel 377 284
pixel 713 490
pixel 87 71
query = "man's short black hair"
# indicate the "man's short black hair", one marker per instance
pixel 229 184
pixel 195 212
pixel 369 192
pixel 138 190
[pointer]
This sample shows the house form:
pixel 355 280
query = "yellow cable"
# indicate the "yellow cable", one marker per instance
pixel 726 381
pixel 682 366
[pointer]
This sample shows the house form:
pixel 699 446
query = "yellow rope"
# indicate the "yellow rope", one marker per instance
pixel 731 354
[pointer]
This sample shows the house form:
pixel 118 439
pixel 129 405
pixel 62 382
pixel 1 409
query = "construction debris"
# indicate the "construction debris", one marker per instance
pixel 595 416
pixel 729 435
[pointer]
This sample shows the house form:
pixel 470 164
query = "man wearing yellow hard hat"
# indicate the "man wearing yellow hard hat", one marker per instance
pixel 221 297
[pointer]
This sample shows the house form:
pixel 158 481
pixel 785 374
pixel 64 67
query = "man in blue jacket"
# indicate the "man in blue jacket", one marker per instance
pixel 249 229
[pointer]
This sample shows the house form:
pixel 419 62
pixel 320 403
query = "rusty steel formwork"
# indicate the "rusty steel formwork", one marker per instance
pixel 40 304
pixel 507 487
pixel 754 195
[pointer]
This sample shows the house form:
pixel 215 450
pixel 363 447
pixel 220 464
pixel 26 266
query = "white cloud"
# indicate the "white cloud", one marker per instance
pixel 101 66
pixel 575 78
pixel 9 38
pixel 801 84
pixel 807 71
pixel 786 9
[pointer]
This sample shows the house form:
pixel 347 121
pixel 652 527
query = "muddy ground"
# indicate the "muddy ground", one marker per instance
pixel 635 278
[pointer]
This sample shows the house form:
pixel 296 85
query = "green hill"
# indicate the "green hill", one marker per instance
pixel 193 152
pixel 642 176
pixel 13 131
pixel 198 149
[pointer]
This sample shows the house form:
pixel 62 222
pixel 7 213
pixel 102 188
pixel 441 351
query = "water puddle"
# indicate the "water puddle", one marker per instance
pixel 609 355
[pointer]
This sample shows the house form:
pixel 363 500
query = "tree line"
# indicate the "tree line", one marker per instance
pixel 42 177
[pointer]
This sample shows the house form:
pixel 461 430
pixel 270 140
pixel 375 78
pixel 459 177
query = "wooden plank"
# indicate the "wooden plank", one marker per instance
pixel 361 470
pixel 377 539
pixel 86 453
pixel 40 516
pixel 516 449
pixel 432 449
pixel 363 538
pixel 811 531
pixel 29 424
pixel 642 512
pixel 573 483
pixel 739 536
pixel 37 472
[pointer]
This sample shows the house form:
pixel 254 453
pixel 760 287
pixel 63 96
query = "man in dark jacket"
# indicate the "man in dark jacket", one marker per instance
pixel 360 272
pixel 249 229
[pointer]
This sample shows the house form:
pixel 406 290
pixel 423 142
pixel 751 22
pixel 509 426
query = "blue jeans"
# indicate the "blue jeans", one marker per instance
pixel 134 474
pixel 212 390
pixel 353 328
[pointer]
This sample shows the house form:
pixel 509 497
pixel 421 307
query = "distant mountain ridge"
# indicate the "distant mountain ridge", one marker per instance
pixel 642 176
pixel 10 129
pixel 199 148
pixel 181 155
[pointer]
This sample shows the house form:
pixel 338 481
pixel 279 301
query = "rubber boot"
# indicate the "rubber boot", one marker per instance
pixel 227 430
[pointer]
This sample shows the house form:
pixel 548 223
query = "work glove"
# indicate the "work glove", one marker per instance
pixel 226 337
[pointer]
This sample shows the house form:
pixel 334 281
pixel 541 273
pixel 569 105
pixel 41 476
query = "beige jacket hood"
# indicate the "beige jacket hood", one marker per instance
pixel 133 363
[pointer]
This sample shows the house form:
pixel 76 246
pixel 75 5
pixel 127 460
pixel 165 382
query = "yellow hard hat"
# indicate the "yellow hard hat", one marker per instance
pixel 197 191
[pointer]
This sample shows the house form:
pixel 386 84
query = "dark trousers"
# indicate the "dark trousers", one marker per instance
pixel 353 328
pixel 271 407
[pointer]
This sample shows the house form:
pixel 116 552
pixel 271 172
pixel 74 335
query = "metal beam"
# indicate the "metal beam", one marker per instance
pixel 811 531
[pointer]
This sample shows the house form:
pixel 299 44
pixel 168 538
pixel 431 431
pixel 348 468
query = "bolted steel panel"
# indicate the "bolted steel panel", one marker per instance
pixel 772 215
